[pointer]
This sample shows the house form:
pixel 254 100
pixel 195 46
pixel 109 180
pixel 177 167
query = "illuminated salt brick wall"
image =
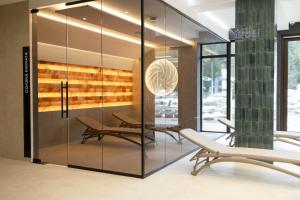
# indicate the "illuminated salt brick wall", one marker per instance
pixel 89 87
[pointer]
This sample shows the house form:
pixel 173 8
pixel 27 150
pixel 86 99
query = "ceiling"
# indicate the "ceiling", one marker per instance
pixel 79 28
pixel 216 15
pixel 219 15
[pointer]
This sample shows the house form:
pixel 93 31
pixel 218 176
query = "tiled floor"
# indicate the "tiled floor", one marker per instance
pixel 119 155
pixel 23 180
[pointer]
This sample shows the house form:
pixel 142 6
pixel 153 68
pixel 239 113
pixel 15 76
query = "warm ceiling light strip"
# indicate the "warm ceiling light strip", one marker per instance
pixel 137 21
pixel 84 70
pixel 81 82
pixel 84 106
pixel 91 27
pixel 169 34
pixel 88 52
pixel 84 94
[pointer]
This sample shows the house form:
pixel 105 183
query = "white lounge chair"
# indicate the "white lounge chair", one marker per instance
pixel 283 136
pixel 212 152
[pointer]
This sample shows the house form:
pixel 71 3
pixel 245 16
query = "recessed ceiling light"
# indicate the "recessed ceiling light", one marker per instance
pixel 84 19
pixel 137 21
pixel 126 12
pixel 153 19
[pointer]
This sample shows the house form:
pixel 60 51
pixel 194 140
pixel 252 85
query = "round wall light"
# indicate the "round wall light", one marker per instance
pixel 161 77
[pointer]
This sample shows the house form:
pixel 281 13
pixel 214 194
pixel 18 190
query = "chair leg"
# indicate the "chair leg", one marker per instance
pixel 232 139
pixel 84 139
pixel 232 142
pixel 100 137
pixel 246 161
pixel 206 164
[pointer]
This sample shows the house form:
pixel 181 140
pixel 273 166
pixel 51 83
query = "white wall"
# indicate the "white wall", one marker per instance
pixel 14 31
pixel 3 2
pixel 182 6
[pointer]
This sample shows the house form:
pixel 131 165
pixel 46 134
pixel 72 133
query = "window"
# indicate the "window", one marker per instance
pixel 217 83
pixel 293 86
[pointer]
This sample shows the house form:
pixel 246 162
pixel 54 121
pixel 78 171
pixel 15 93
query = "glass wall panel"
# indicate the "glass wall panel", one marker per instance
pixel 84 86
pixel 121 63
pixel 90 84
pixel 189 80
pixel 155 101
pixel 172 89
pixel 171 107
pixel 214 93
pixel 52 71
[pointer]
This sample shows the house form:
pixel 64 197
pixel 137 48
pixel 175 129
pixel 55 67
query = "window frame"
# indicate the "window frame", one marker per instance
pixel 282 78
pixel 228 57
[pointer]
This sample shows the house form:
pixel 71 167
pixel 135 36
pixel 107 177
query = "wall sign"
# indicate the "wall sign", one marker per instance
pixel 245 32
pixel 26 103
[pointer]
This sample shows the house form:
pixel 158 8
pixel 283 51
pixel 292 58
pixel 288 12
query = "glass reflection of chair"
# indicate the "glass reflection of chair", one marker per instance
pixel 129 122
pixel 96 129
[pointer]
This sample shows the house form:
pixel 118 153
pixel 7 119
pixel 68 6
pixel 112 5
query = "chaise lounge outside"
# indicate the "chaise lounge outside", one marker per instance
pixel 282 136
pixel 212 152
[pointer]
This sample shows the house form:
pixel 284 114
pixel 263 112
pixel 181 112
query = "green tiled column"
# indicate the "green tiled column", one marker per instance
pixel 254 73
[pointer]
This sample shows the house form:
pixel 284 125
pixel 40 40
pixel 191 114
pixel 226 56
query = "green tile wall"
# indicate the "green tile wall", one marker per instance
pixel 254 73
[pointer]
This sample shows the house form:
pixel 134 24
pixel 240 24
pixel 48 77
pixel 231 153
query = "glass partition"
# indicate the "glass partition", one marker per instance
pixel 84 85
pixel 52 72
pixel 171 89
pixel 154 105
pixel 122 100
pixel 91 95
pixel 90 85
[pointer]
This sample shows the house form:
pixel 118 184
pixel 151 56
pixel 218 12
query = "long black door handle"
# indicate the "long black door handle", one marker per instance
pixel 67 99
pixel 62 98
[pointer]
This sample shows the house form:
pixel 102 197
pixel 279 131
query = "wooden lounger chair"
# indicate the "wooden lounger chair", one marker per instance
pixel 287 137
pixel 283 136
pixel 230 125
pixel 96 129
pixel 212 152
pixel 130 122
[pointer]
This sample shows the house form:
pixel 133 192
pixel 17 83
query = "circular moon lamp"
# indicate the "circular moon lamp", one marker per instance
pixel 161 77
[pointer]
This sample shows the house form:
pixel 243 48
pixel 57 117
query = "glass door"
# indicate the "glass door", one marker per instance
pixel 121 85
pixel 84 61
pixel 52 89
pixel 104 76
pixel 90 85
